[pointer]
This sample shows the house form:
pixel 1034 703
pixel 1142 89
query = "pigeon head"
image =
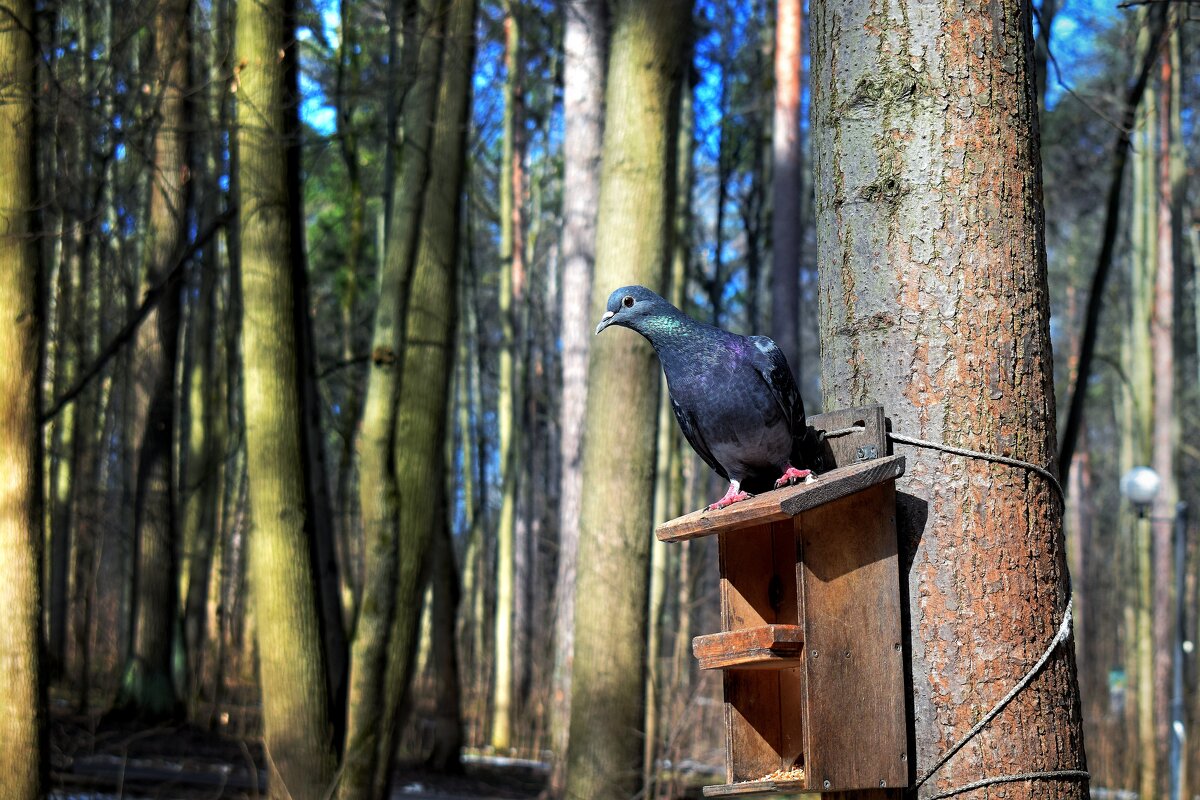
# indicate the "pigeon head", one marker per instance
pixel 637 308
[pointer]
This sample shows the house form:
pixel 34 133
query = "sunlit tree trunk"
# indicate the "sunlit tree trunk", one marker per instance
pixel 633 245
pixel 147 687
pixel 787 181
pixel 508 403
pixel 379 492
pixel 1140 365
pixel 668 489
pixel 297 730
pixel 427 364
pixel 934 302
pixel 23 744
pixel 584 47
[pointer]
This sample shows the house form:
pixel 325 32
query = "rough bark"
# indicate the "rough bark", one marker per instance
pixel 297 731
pixel 22 691
pixel 632 246
pixel 934 303
pixel 147 687
pixel 427 364
pixel 378 488
pixel 584 47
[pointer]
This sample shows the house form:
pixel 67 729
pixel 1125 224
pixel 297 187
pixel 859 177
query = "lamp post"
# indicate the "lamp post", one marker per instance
pixel 1140 486
pixel 1182 647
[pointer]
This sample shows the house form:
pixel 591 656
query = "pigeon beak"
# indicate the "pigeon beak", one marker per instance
pixel 605 321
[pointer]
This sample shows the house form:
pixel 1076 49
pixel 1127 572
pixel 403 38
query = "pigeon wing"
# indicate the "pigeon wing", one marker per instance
pixel 772 365
pixel 692 433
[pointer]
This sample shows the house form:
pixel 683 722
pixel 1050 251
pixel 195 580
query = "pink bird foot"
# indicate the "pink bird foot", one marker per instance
pixel 733 494
pixel 791 475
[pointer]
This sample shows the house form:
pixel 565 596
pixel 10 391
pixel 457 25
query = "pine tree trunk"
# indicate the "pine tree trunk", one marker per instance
pixel 147 687
pixel 934 303
pixel 427 364
pixel 787 181
pixel 22 690
pixel 1162 433
pixel 584 47
pixel 297 731
pixel 632 246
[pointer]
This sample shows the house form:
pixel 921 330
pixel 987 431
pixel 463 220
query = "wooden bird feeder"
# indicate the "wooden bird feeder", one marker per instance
pixel 810 646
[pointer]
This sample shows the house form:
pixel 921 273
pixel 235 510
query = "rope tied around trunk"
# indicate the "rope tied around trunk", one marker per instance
pixel 1063 633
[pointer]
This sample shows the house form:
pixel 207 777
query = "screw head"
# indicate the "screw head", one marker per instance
pixel 904 756
pixel 813 653
pixel 882 784
pixel 826 784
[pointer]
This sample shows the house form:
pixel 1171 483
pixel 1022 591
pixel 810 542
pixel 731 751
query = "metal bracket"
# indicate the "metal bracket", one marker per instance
pixel 866 453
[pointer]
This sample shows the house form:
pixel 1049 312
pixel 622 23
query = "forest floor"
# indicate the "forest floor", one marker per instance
pixel 97 758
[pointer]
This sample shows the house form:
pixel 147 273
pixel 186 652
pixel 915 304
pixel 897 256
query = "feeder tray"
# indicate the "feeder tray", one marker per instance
pixel 810 648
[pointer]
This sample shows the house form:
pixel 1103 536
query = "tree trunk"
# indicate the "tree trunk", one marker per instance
pixel 934 303
pixel 1147 58
pixel 378 489
pixel 584 48
pixel 1041 53
pixel 319 523
pixel 147 687
pixel 22 691
pixel 508 392
pixel 1139 369
pixel 428 363
pixel 446 590
pixel 297 731
pixel 1162 433
pixel 787 181
pixel 203 436
pixel 632 246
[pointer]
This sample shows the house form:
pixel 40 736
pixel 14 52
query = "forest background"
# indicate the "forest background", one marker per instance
pixel 400 196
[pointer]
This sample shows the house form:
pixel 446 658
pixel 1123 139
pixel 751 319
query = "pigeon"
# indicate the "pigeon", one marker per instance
pixel 734 396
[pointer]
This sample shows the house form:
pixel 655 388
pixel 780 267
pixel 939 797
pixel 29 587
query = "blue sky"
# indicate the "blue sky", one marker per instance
pixel 1073 43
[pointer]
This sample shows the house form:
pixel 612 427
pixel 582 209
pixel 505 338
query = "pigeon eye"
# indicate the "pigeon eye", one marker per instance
pixel 627 301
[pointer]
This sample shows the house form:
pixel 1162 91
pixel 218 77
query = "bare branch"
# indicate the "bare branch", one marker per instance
pixel 151 298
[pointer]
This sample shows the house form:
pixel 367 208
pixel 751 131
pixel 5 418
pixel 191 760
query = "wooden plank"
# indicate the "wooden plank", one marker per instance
pixel 747 573
pixel 852 448
pixel 758 589
pixel 756 787
pixel 787 558
pixel 782 504
pixel 768 646
pixel 850 582
pixel 754 737
pixel 797 787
